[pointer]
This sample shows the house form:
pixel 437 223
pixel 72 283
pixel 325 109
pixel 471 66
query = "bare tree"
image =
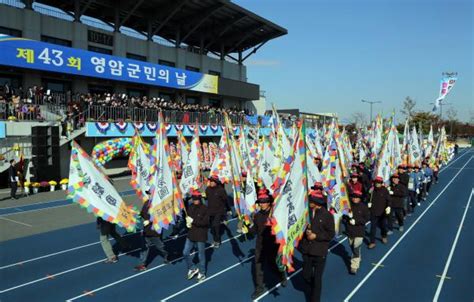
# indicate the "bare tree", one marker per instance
pixel 359 119
pixel 408 107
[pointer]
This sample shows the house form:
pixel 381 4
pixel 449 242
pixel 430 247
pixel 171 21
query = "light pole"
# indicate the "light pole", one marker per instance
pixel 371 103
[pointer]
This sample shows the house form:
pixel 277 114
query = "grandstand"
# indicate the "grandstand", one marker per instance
pixel 70 64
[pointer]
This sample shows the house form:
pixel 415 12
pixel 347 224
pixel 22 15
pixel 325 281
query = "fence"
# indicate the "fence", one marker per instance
pixel 102 113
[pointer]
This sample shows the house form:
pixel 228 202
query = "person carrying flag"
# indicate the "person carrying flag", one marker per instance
pixel 217 204
pixel 379 205
pixel 403 180
pixel 355 228
pixel 354 185
pixel 315 243
pixel 428 178
pixel 151 238
pixel 197 222
pixel 108 229
pixel 266 247
pixel 397 193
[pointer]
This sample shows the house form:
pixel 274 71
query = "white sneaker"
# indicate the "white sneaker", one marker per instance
pixel 201 277
pixel 192 273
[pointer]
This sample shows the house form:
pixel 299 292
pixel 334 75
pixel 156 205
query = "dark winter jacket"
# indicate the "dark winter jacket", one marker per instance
pixel 198 231
pixel 361 215
pixel 148 230
pixel 322 224
pixel 380 201
pixel 265 243
pixel 399 193
pixel 216 200
pixel 106 228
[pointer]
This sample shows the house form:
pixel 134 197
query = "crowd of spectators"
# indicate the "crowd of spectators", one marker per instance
pixel 17 104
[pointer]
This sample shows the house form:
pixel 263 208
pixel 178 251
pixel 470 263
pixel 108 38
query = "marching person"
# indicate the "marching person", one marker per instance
pixel 13 177
pixel 217 205
pixel 413 189
pixel 266 247
pixel 428 177
pixel 419 180
pixel 403 180
pixel 397 193
pixel 364 174
pixel 355 228
pixel 354 185
pixel 151 237
pixel 315 243
pixel 379 206
pixel 108 229
pixel 197 223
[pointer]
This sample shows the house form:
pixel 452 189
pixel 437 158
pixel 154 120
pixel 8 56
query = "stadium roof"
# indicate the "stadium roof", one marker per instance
pixel 218 26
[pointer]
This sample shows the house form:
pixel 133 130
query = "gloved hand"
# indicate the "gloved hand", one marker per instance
pixel 369 205
pixel 387 210
pixel 189 222
pixel 417 191
pixel 229 213
pixel 390 192
pixel 350 215
pixel 245 229
pixel 146 222
pixel 352 221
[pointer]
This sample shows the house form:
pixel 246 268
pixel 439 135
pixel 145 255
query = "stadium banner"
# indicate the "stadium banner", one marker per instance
pixel 110 129
pixel 3 133
pixel 31 54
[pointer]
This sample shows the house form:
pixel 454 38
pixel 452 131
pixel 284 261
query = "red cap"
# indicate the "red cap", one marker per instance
pixel 378 179
pixel 357 194
pixel 317 186
pixel 195 194
pixel 317 197
pixel 244 174
pixel 214 178
pixel 354 175
pixel 395 175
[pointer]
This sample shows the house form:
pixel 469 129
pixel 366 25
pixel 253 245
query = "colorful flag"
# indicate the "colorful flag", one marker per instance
pixel 221 165
pixel 191 169
pixel 290 212
pixel 447 83
pixel 92 190
pixel 166 198
pixel 139 163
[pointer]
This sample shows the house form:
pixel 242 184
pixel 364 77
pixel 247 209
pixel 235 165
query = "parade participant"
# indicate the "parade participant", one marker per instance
pixel 266 247
pixel 403 177
pixel 108 229
pixel 355 228
pixel 397 193
pixel 13 179
pixel 354 184
pixel 428 177
pixel 364 174
pixel 379 206
pixel 419 181
pixel 436 172
pixel 151 237
pixel 197 222
pixel 413 189
pixel 217 205
pixel 315 243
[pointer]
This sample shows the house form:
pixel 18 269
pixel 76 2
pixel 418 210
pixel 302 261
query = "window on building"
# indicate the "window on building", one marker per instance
pixel 216 73
pixel 14 82
pixel 56 41
pixel 191 68
pixel 56 85
pixel 136 57
pixel 100 50
pixel 215 103
pixel 166 63
pixel 10 31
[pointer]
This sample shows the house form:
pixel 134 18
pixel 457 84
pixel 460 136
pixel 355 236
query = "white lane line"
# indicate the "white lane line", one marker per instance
pixel 448 262
pixel 11 220
pixel 208 278
pixel 138 274
pixel 61 273
pixel 36 210
pixel 79 247
pixel 356 289
pixel 452 162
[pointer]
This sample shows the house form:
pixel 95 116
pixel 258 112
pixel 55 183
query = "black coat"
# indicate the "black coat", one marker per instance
pixel 380 200
pixel 364 178
pixel 265 243
pixel 216 200
pixel 12 174
pixel 106 228
pixel 361 215
pixel 322 224
pixel 399 193
pixel 148 230
pixel 404 179
pixel 198 231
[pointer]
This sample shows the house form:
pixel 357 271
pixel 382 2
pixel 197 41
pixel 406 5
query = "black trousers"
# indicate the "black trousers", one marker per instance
pixel 377 222
pixel 265 259
pixel 412 200
pixel 398 213
pixel 216 221
pixel 313 268
pixel 14 187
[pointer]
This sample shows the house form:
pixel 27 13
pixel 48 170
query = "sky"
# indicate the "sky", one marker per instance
pixel 338 52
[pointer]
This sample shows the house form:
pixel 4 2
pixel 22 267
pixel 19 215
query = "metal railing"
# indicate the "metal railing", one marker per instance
pixel 114 114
